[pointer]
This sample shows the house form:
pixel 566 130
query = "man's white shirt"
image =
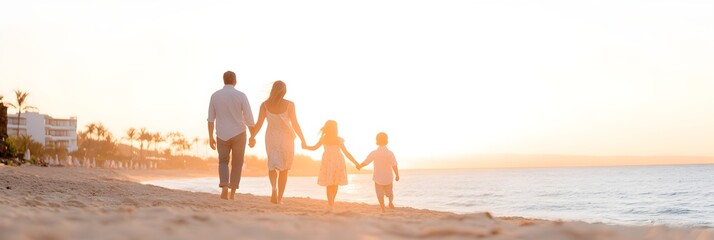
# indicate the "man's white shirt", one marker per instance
pixel 230 110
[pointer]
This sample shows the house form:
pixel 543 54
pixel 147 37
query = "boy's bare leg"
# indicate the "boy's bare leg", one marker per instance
pixel 390 195
pixel 379 190
pixel 224 192
pixel 381 202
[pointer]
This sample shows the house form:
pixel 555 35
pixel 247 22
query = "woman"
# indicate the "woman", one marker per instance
pixel 279 137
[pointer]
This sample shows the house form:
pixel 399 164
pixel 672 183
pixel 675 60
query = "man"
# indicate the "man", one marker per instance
pixel 230 110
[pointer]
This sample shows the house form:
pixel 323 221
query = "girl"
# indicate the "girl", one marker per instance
pixel 332 169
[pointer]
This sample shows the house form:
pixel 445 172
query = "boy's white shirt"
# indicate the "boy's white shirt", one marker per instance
pixel 383 160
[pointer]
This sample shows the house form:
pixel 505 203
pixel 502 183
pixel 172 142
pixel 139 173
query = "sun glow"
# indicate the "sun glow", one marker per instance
pixel 447 79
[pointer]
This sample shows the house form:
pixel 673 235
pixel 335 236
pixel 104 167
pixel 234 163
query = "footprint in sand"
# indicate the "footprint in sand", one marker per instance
pixel 201 218
pixel 130 202
pixel 75 203
pixel 34 203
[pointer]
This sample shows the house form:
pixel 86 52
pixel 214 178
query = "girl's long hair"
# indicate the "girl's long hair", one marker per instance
pixel 329 131
pixel 277 93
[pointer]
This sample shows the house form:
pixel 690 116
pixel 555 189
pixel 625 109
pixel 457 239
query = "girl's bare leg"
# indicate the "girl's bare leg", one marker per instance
pixel 331 193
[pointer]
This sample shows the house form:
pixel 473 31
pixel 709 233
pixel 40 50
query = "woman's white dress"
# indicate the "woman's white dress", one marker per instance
pixel 279 141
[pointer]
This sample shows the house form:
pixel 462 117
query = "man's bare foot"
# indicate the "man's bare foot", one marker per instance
pixel 383 211
pixel 233 194
pixel 224 193
pixel 391 206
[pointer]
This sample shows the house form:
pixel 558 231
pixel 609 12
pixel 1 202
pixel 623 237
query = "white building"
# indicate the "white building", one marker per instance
pixel 45 129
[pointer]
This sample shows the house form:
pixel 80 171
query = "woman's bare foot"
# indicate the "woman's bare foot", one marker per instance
pixel 274 197
pixel 391 206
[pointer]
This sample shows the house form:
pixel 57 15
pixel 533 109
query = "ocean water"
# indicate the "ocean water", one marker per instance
pixel 681 196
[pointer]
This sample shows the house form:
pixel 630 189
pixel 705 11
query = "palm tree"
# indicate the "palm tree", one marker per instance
pixel 183 145
pixel 195 143
pixel 186 145
pixel 143 136
pixel 157 138
pixel 149 138
pixel 206 141
pixel 108 145
pixel 131 136
pixel 91 130
pixel 101 131
pixel 20 106
pixel 82 136
pixel 178 141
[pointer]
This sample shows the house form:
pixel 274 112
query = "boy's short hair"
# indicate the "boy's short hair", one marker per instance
pixel 382 139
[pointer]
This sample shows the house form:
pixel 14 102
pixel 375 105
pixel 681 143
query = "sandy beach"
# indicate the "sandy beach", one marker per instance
pixel 67 203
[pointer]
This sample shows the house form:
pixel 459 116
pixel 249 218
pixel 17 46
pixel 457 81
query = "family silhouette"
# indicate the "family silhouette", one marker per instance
pixel 230 116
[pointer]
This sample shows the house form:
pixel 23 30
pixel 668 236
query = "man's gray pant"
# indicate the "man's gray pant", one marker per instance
pixel 236 146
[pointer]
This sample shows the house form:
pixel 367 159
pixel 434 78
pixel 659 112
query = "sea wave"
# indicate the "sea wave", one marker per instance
pixel 675 196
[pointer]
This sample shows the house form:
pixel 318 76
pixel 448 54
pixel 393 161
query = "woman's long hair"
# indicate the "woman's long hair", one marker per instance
pixel 277 93
pixel 329 132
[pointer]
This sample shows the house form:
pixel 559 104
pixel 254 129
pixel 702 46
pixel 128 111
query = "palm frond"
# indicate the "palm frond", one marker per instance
pixel 28 108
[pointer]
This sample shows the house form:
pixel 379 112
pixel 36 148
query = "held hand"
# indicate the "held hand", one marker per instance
pixel 213 143
pixel 396 178
pixel 303 144
pixel 251 142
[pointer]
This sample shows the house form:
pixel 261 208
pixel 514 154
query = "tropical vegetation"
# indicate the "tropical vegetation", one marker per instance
pixel 21 105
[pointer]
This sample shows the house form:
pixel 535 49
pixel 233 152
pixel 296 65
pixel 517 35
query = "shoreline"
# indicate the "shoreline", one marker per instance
pixel 163 174
pixel 170 174
pixel 198 185
pixel 67 203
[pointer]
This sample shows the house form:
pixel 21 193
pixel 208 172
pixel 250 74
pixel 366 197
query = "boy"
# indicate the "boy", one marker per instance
pixel 384 163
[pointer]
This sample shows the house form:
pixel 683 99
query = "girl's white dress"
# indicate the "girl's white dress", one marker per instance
pixel 332 169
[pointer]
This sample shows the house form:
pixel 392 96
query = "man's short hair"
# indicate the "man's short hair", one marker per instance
pixel 229 77
pixel 382 139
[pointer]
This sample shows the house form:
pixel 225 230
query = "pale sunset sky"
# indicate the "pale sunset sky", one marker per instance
pixel 445 79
